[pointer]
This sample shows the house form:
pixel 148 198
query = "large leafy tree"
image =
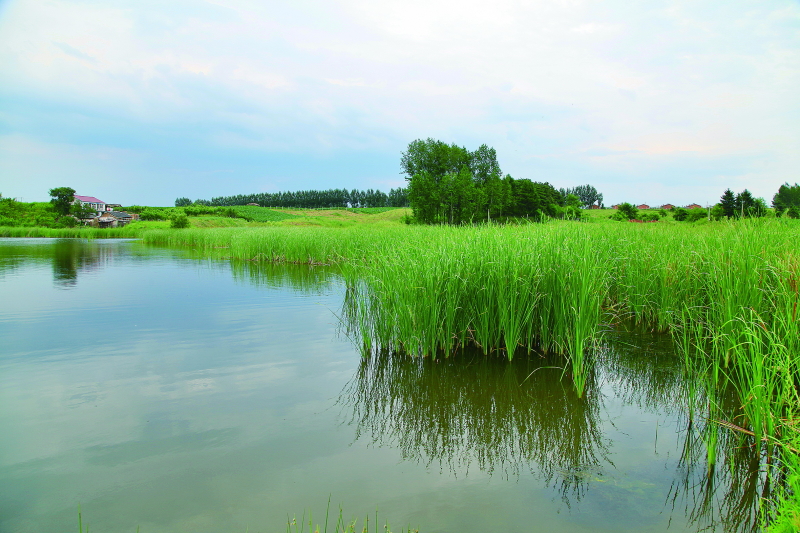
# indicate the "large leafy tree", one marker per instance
pixel 488 178
pixel 787 197
pixel 530 198
pixel 434 157
pixel 62 199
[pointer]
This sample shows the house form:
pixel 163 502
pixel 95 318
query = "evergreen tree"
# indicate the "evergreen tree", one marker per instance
pixel 728 203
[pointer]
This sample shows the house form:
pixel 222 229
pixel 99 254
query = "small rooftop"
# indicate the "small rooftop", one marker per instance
pixel 89 199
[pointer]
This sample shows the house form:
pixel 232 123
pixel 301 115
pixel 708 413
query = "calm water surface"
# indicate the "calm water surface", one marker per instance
pixel 180 394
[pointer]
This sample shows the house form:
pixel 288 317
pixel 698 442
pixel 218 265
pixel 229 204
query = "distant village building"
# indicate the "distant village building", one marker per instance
pixel 615 206
pixel 667 206
pixel 106 215
pixel 642 206
pixel 104 221
pixel 594 206
pixel 98 205
pixel 694 206
pixel 112 219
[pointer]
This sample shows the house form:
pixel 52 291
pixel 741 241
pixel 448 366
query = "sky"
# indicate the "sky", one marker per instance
pixel 143 102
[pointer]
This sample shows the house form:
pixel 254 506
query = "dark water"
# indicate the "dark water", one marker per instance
pixel 180 394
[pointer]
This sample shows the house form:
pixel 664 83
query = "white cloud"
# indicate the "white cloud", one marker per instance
pixel 312 78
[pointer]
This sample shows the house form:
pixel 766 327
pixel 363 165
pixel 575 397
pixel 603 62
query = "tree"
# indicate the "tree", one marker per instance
pixel 759 208
pixel 587 194
pixel 63 197
pixel 487 175
pixel 728 203
pixel 182 202
pixel 627 211
pixel 680 214
pixel 744 204
pixel 434 157
pixel 82 211
pixel 423 195
pixel 787 196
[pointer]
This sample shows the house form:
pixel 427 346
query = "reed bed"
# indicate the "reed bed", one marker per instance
pixel 727 292
pixel 64 233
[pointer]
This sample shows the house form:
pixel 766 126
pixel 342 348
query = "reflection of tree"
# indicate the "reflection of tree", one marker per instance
pixel 473 409
pixel 66 256
pixel 71 256
pixel 65 262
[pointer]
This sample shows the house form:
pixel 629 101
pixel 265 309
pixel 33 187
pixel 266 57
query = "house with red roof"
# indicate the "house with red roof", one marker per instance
pixel 694 206
pixel 91 201
pixel 643 206
pixel 667 206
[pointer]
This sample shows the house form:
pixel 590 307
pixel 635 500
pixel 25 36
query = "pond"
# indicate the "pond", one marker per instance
pixel 176 393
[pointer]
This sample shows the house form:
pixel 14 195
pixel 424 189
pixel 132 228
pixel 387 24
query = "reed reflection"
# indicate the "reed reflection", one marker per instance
pixel 300 278
pixel 499 415
pixel 725 477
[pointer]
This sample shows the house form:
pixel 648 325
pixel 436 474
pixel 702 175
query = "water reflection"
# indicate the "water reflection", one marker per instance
pixel 467 410
pixel 68 257
pixel 723 476
pixel 300 278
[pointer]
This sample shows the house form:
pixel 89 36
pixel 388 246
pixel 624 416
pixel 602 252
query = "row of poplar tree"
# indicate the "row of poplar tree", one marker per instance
pixel 311 199
pixel 448 184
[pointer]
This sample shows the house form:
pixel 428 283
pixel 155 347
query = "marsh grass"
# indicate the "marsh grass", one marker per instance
pixel 130 231
pixel 727 292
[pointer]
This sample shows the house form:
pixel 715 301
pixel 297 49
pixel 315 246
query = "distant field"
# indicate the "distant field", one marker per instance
pixel 263 214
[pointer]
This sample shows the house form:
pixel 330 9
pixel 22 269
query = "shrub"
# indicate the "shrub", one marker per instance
pixel 66 222
pixel 179 220
pixel 680 214
pixel 152 214
pixel 625 211
pixel 696 214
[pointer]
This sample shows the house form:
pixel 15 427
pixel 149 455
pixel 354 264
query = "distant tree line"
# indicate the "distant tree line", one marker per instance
pixel 587 195
pixel 310 199
pixel 448 184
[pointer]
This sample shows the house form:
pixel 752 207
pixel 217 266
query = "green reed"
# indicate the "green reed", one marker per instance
pixel 728 293
pixel 131 231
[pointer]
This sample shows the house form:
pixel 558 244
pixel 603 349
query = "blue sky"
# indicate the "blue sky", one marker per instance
pixel 142 102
